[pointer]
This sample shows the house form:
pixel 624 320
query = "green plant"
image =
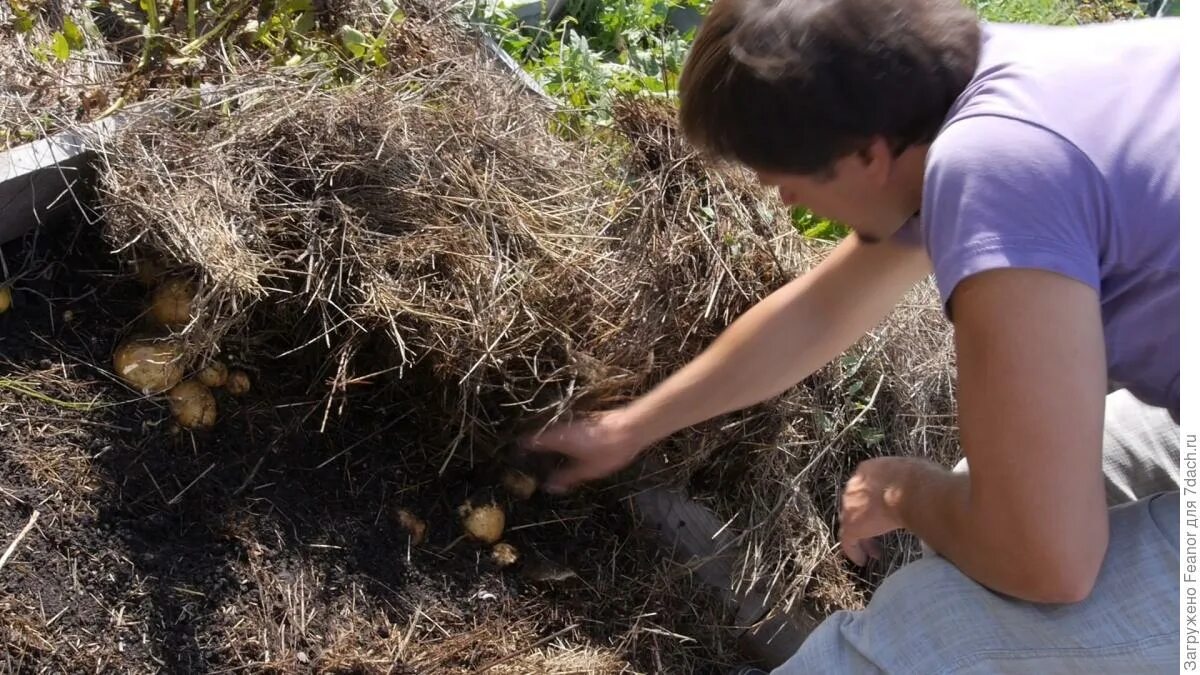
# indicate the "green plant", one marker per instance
pixel 814 227
pixel 600 50
pixel 1058 11
pixel 24 14
pixel 287 33
pixel 151 35
pixel 62 42
pixel 1023 11
pixel 368 49
pixel 286 30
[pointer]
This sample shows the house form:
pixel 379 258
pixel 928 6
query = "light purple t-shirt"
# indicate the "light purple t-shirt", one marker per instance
pixel 1063 155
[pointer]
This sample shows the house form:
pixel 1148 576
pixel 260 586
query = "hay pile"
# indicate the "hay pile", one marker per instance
pixel 424 234
pixel 39 93
pixel 515 273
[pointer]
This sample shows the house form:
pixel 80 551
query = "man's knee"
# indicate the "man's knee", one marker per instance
pixel 914 586
pixel 911 619
pixel 1141 449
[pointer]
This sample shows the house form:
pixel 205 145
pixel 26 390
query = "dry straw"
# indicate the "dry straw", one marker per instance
pixel 425 231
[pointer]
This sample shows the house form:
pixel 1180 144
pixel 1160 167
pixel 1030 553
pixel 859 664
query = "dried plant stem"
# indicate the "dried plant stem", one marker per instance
pixel 20 535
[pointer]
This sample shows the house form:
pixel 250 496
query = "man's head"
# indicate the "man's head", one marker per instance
pixel 832 101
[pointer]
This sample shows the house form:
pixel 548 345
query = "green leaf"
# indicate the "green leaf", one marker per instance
pixel 150 7
pixel 24 18
pixel 60 47
pixel 355 41
pixel 305 23
pixel 870 436
pixel 827 230
pixel 73 33
pixel 817 228
pixel 653 84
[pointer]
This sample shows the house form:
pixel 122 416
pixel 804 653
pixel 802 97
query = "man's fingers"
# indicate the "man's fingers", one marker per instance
pixel 567 478
pixel 872 548
pixel 550 440
pixel 531 443
pixel 859 551
pixel 853 551
pixel 851 548
pixel 562 482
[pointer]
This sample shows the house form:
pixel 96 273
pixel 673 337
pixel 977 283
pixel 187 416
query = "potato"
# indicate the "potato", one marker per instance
pixel 149 366
pixel 193 405
pixel 505 554
pixel 518 483
pixel 416 527
pixel 171 304
pixel 5 299
pixel 238 383
pixel 483 523
pixel 215 374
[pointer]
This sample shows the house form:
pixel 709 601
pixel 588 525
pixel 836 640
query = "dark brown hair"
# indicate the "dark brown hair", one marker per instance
pixel 793 85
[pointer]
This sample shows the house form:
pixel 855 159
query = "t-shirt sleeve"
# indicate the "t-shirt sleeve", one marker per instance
pixel 1002 193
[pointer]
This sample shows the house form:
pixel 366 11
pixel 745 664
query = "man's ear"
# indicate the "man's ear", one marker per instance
pixel 877 160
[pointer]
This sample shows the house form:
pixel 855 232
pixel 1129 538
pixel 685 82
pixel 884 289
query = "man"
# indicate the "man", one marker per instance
pixel 1035 172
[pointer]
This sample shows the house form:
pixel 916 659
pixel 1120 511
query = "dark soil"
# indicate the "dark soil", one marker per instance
pixel 267 544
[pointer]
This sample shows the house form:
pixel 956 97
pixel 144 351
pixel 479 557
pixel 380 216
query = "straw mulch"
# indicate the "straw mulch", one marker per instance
pixel 424 234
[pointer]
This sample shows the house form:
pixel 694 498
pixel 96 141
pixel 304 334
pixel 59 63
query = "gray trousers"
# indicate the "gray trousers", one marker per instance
pixel 929 618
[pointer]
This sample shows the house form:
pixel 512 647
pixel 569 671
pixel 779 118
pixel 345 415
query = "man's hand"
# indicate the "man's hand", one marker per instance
pixel 777 343
pixel 868 506
pixel 595 446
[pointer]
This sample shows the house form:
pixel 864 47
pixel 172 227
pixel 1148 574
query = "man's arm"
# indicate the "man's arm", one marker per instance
pixel 786 337
pixel 1030 520
pixel 777 343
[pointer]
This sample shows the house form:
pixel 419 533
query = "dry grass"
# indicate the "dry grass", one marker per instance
pixel 433 209
pixel 417 263
pixel 41 94
pixel 891 394
pixel 415 268
pixel 425 230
